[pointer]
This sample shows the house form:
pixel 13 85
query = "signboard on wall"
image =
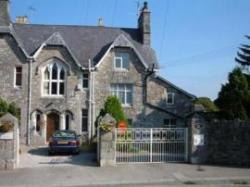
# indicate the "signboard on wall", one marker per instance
pixel 198 139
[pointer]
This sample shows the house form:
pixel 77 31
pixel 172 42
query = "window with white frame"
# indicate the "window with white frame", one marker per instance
pixel 169 122
pixel 124 92
pixel 54 76
pixel 121 61
pixel 170 98
pixel 85 80
pixel 18 76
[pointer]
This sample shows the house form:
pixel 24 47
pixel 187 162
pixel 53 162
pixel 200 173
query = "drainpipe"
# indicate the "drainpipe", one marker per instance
pixel 149 72
pixel 93 103
pixel 29 101
pixel 90 103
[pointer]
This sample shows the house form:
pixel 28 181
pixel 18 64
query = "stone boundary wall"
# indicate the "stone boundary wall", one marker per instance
pixel 9 145
pixel 228 143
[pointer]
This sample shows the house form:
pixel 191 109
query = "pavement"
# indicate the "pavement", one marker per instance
pixel 38 169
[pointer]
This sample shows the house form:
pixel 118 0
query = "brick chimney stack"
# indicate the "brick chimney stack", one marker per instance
pixel 4 13
pixel 144 24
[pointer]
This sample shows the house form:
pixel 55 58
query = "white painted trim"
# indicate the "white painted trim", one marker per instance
pixel 15 73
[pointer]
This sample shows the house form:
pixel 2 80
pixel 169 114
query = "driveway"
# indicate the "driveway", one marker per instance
pixel 38 157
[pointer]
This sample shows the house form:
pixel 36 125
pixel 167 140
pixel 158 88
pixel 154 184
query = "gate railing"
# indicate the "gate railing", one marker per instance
pixel 137 145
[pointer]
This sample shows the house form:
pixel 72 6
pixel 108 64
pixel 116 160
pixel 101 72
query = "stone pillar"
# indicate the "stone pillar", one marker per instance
pixel 198 148
pixel 106 142
pixel 43 127
pixel 33 123
pixel 62 121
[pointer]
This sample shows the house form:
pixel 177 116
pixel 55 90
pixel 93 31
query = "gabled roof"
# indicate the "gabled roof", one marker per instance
pixel 175 87
pixel 123 41
pixel 56 40
pixel 85 42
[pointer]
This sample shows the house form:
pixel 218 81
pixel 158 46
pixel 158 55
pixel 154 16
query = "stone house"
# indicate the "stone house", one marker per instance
pixel 60 75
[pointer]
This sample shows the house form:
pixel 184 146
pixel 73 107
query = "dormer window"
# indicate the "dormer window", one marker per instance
pixel 54 80
pixel 121 61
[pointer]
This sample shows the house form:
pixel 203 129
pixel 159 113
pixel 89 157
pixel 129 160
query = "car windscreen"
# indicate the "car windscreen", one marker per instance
pixel 63 134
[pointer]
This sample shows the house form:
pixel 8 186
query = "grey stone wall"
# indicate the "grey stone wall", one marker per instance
pixel 10 57
pixel 229 143
pixel 9 147
pixel 142 115
pixel 74 99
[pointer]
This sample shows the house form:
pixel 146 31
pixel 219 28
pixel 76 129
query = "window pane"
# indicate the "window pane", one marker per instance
pixel 62 74
pixel 84 120
pixel 61 88
pixel 129 98
pixel 170 98
pixel 38 122
pixel 19 69
pixel 67 119
pixel 46 74
pixel 18 76
pixel 19 79
pixel 46 88
pixel 86 75
pixel 54 88
pixel 118 62
pixel 54 72
pixel 125 60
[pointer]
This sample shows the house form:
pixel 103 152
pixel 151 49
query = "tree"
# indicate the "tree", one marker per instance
pixel 244 54
pixel 113 107
pixel 207 104
pixel 234 96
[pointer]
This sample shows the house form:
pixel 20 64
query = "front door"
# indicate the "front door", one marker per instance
pixel 52 124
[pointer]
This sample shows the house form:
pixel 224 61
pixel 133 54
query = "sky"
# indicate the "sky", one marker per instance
pixel 196 41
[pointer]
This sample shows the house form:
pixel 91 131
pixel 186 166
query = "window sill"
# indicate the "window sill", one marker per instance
pixel 121 70
pixel 18 87
pixel 127 106
pixel 53 97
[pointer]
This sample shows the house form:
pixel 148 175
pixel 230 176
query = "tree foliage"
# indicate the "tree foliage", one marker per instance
pixel 207 103
pixel 114 108
pixel 8 107
pixel 234 97
pixel 243 55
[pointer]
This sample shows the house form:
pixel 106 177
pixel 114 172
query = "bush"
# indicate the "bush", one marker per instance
pixel 11 108
pixel 114 108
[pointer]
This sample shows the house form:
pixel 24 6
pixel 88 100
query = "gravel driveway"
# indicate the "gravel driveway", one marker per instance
pixel 38 157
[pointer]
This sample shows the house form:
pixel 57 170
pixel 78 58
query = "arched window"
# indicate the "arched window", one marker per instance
pixel 54 79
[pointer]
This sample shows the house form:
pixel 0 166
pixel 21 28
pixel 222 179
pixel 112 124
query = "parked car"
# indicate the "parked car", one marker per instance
pixel 64 141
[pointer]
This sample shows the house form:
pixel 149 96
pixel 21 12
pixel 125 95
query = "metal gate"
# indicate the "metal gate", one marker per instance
pixel 151 145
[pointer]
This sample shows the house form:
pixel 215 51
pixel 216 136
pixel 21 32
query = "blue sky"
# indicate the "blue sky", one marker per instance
pixel 195 41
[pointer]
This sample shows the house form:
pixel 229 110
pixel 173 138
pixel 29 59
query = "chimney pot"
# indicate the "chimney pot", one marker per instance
pixel 22 20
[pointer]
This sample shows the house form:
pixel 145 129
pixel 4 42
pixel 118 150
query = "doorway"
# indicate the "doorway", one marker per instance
pixel 52 124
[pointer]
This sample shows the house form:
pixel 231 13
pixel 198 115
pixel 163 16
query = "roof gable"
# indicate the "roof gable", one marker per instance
pixel 123 41
pixel 84 42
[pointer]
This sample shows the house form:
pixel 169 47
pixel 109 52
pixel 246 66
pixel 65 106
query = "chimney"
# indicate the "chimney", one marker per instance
pixel 4 13
pixel 22 20
pixel 144 24
pixel 100 22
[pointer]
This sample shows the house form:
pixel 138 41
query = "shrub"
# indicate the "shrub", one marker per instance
pixel 114 108
pixel 11 108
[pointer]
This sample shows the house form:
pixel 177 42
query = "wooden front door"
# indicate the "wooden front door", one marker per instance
pixel 52 124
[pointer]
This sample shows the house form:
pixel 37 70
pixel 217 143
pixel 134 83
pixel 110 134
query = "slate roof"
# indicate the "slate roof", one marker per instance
pixel 84 41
